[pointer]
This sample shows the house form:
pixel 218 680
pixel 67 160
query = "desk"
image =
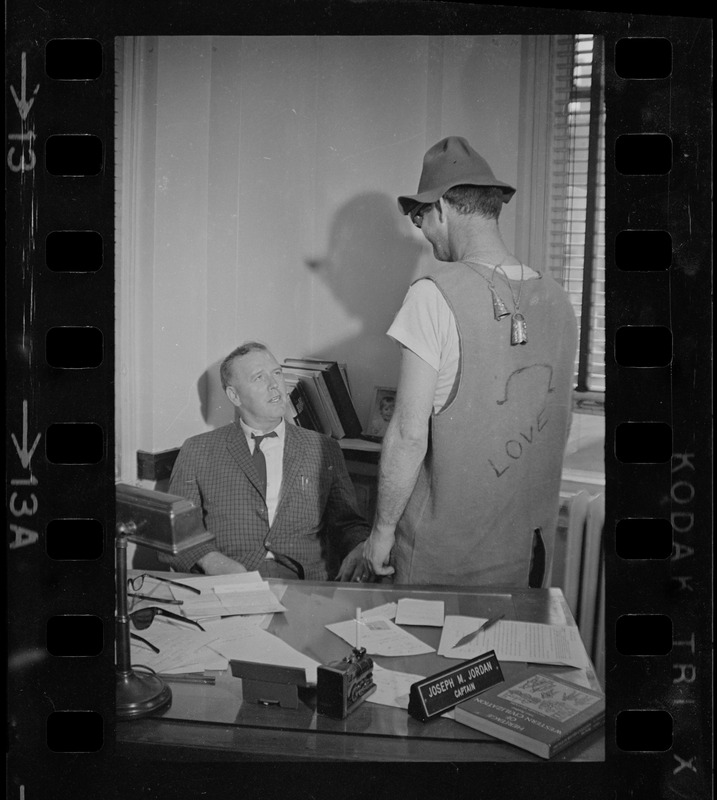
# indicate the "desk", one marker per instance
pixel 206 722
pixel 362 459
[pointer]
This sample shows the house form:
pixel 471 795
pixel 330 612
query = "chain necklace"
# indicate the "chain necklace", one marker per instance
pixel 518 327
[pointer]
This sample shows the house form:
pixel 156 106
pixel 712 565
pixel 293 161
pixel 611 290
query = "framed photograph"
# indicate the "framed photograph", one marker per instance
pixel 384 402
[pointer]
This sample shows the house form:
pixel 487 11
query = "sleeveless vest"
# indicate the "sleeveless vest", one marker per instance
pixel 492 472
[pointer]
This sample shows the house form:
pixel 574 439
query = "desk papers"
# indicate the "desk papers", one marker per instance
pixel 385 611
pixel 228 595
pixel 222 583
pixel 393 688
pixel 181 649
pixel 576 675
pixel 379 636
pixel 515 641
pixel 186 650
pixel 251 643
pixel 420 612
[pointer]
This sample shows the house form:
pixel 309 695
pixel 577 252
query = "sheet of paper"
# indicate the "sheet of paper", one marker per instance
pixel 515 641
pixel 250 643
pixel 185 649
pixel 385 611
pixel 420 612
pixel 155 595
pixel 238 586
pixel 575 675
pixel 393 688
pixel 259 620
pixel 181 649
pixel 248 600
pixel 210 582
pixel 221 596
pixel 278 590
pixel 210 660
pixel 380 637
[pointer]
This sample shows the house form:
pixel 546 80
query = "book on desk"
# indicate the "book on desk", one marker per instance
pixel 535 710
pixel 323 387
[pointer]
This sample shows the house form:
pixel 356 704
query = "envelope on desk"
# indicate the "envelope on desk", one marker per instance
pixel 380 637
pixel 420 612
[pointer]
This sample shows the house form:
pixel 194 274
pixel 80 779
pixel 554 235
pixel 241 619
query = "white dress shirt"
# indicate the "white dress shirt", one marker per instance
pixel 273 449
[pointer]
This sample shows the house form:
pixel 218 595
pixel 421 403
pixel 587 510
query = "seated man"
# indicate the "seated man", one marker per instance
pixel 268 501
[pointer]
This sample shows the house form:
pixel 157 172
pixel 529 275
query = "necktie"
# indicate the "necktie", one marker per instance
pixel 260 460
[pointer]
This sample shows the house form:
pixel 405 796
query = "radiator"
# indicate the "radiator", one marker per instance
pixel 578 568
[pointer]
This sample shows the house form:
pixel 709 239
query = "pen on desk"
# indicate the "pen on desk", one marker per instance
pixel 484 627
pixel 169 600
pixel 187 678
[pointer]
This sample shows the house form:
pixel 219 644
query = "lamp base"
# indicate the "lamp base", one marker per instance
pixel 138 694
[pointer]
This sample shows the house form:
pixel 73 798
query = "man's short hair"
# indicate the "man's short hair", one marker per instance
pixel 487 201
pixel 225 370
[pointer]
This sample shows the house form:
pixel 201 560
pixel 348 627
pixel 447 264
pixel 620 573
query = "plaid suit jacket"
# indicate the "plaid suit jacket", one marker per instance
pixel 317 502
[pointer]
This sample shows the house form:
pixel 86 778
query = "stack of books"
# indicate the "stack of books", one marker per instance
pixel 537 711
pixel 320 395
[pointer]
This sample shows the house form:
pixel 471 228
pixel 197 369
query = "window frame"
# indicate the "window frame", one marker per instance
pixel 548 71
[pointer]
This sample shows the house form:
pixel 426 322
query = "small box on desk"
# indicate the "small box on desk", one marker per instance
pixel 343 685
pixel 269 684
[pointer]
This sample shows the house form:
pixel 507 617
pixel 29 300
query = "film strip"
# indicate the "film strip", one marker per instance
pixel 60 284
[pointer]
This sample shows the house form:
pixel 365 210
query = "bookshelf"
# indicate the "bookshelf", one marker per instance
pixel 361 459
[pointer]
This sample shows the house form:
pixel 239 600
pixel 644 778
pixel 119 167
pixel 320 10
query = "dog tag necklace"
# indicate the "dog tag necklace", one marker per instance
pixel 518 326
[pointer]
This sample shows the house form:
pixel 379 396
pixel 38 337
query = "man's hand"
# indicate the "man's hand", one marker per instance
pixel 353 567
pixel 216 563
pixel 377 552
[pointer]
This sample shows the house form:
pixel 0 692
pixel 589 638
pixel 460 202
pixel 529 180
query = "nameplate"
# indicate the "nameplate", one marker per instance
pixel 269 684
pixel 443 691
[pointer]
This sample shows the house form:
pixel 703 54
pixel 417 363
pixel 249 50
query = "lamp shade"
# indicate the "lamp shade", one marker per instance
pixel 157 520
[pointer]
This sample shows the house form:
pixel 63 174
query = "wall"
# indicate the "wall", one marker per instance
pixel 260 177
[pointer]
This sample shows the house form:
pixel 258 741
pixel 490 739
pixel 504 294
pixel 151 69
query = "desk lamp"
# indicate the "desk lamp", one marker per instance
pixel 163 522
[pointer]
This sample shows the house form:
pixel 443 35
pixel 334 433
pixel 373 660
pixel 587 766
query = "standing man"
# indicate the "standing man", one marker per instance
pixel 471 464
pixel 275 496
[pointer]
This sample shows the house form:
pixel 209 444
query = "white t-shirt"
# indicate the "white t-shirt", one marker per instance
pixel 425 325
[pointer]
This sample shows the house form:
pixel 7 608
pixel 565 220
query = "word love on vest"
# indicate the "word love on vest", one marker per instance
pixel 515 446
pixel 441 692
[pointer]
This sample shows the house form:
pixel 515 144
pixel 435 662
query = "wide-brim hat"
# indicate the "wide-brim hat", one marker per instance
pixel 451 162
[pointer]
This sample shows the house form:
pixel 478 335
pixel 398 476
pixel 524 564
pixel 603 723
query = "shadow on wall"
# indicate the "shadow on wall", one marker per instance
pixel 370 261
pixel 215 406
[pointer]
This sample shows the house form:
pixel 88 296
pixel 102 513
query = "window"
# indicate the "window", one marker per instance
pixel 576 247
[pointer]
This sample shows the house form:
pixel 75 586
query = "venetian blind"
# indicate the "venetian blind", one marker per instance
pixel 576 244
